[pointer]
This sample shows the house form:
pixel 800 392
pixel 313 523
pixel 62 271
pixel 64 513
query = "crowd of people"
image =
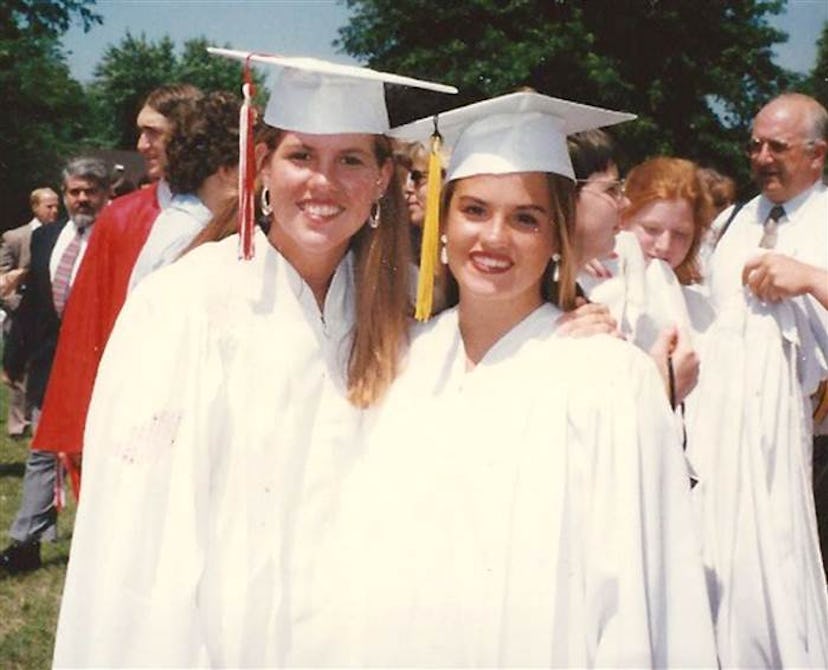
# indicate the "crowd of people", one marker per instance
pixel 599 447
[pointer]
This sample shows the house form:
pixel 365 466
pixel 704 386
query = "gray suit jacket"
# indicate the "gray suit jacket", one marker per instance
pixel 15 252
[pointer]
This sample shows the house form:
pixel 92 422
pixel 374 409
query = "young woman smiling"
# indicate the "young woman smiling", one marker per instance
pixel 229 390
pixel 519 499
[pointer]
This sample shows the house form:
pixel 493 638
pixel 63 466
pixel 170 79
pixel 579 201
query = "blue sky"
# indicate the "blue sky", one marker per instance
pixel 307 27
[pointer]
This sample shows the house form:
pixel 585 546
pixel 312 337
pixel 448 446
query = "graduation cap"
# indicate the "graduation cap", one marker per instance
pixel 310 95
pixel 518 132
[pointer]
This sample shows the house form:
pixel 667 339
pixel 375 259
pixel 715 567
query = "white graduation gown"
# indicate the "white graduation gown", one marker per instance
pixel 520 514
pixel 202 496
pixel 646 297
pixel 750 440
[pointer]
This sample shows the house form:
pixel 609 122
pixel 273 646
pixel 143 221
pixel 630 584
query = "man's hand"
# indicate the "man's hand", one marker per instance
pixel 773 277
pixel 9 281
pixel 588 318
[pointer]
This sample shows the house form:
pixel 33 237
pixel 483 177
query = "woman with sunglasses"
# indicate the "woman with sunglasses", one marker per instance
pixel 414 189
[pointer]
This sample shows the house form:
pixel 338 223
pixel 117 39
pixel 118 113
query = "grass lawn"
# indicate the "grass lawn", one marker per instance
pixel 28 602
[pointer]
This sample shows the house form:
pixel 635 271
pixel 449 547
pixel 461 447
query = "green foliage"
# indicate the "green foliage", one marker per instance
pixel 134 67
pixel 673 62
pixel 818 81
pixel 209 73
pixel 44 110
pixel 123 78
pixel 39 18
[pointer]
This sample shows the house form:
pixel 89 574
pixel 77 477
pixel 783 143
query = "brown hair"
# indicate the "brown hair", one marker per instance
pixel 664 178
pixel 722 189
pixel 165 98
pixel 590 151
pixel 382 258
pixel 560 290
pixel 204 140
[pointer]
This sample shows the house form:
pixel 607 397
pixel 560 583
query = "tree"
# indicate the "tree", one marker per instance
pixel 818 80
pixel 670 61
pixel 44 111
pixel 39 18
pixel 209 73
pixel 123 78
pixel 133 68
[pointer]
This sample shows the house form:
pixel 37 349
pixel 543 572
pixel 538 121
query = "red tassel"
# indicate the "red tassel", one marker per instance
pixel 59 500
pixel 247 167
pixel 69 464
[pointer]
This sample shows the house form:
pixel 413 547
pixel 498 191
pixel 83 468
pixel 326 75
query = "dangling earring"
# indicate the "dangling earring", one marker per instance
pixel 374 216
pixel 556 267
pixel 443 252
pixel 267 208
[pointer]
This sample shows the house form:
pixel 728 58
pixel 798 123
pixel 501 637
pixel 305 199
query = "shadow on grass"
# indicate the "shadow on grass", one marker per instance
pixel 12 469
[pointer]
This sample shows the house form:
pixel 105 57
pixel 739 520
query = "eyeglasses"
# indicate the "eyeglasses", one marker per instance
pixel 612 188
pixel 419 177
pixel 775 147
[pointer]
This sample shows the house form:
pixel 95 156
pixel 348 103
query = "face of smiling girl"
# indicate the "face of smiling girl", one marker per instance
pixel 322 188
pixel 499 233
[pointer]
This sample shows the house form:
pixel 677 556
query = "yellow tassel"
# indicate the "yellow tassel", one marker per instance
pixel 431 233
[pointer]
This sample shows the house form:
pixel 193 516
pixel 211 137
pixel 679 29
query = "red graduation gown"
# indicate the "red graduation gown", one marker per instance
pixel 97 295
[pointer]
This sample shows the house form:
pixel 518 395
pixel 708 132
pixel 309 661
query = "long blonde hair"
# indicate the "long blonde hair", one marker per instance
pixel 383 257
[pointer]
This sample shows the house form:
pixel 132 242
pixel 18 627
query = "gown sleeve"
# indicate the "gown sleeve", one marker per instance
pixel 646 602
pixel 138 551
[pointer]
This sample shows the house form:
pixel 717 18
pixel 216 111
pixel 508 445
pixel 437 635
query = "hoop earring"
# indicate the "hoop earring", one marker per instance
pixel 374 216
pixel 556 267
pixel 267 208
pixel 443 251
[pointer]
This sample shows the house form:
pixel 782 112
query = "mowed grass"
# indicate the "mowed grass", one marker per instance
pixel 29 602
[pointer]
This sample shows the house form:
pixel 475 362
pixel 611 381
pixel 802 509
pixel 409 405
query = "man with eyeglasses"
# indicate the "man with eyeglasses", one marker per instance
pixel 751 430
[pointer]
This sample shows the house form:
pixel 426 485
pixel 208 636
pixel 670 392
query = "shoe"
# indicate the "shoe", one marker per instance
pixel 20 557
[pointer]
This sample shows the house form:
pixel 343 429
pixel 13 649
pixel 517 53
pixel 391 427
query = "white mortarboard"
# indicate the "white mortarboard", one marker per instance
pixel 309 96
pixel 518 132
pixel 314 96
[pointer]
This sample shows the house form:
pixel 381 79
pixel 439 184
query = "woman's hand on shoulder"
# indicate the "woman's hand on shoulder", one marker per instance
pixel 588 318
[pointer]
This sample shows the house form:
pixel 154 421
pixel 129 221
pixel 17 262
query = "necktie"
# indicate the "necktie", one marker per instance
pixel 768 240
pixel 61 283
